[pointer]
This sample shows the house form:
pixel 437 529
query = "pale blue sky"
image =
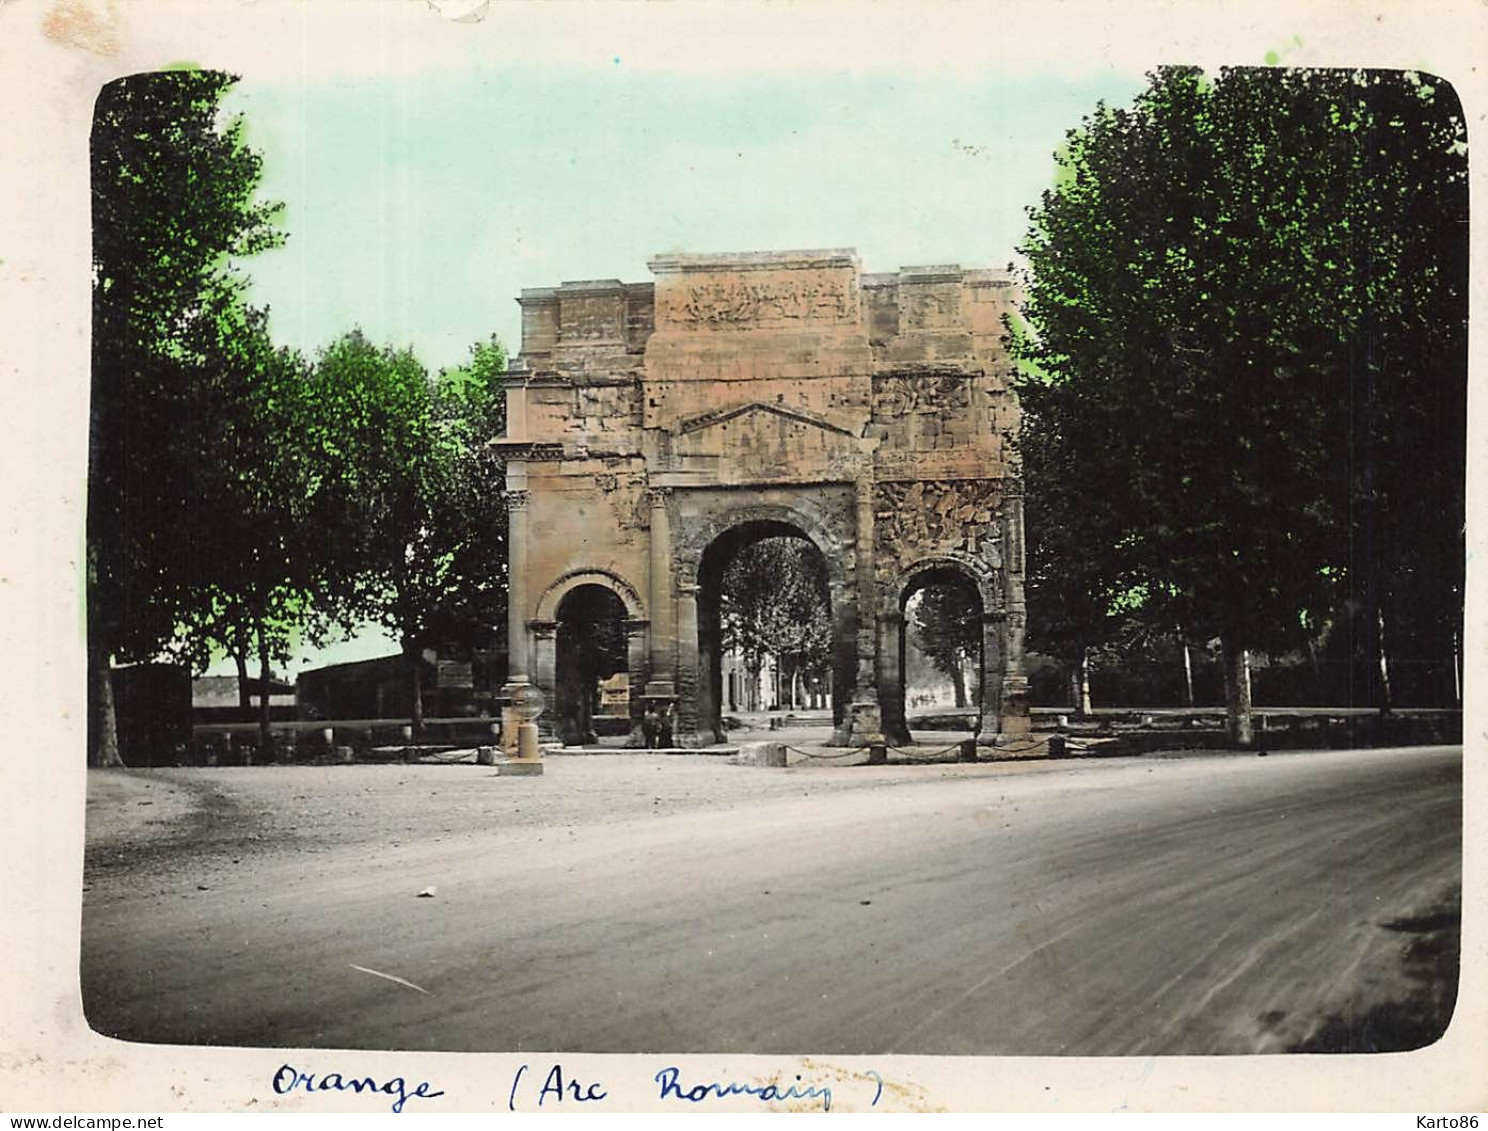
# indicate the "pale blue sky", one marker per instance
pixel 418 207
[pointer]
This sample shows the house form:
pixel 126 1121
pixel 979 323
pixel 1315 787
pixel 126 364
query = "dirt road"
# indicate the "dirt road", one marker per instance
pixel 639 904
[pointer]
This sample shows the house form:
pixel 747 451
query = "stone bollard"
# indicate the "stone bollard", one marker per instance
pixel 1063 722
pixel 1057 746
pixel 407 733
pixel 345 755
pixel 968 751
pixel 878 755
pixel 775 754
pixel 485 755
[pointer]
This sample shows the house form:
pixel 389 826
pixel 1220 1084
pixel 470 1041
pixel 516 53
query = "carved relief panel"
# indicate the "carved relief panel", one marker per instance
pixel 898 394
pixel 763 301
pixel 917 519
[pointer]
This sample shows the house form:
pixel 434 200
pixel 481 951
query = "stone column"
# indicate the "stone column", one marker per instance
pixel 688 728
pixel 994 628
pixel 545 672
pixel 1014 706
pixel 891 677
pixel 663 623
pixel 517 499
pixel 517 658
pixel 864 723
pixel 635 666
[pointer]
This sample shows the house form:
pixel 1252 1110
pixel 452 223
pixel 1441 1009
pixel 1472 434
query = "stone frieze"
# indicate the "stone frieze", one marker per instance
pixel 745 301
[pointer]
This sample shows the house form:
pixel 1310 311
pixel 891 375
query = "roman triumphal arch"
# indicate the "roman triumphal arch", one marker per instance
pixel 652 427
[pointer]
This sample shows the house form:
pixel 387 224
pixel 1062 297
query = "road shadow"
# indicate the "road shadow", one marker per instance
pixel 1430 955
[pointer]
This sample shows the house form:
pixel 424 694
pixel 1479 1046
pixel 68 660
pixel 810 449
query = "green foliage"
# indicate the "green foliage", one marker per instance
pixel 260 572
pixel 416 489
pixel 1243 322
pixel 173 202
pixel 239 497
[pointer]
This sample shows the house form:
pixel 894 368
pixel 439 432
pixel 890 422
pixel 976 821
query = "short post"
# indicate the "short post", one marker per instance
pixel 1057 746
pixel 878 754
pixel 967 752
pixel 526 705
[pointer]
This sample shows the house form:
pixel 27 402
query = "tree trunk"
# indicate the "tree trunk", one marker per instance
pixel 1188 694
pixel 958 682
pixel 245 701
pixel 103 725
pixel 1385 698
pixel 416 689
pixel 1318 697
pixel 1457 667
pixel 103 729
pixel 265 732
pixel 1239 724
pixel 1082 684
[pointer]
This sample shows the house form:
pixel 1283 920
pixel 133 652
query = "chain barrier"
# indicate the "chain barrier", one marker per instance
pixel 826 757
pixel 934 755
pixel 908 755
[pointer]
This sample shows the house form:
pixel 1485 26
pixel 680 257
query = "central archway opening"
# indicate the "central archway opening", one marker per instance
pixel 765 617
pixel 940 654
pixel 591 689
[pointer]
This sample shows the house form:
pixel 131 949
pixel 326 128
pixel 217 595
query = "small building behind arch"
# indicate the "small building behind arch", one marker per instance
pixel 655 428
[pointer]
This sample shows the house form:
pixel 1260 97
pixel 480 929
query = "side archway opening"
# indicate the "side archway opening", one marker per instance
pixel 591 684
pixel 943 669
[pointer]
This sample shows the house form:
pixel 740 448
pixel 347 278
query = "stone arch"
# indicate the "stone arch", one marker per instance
pixel 544 629
pixel 547 604
pixel 804 514
pixel 988 583
pixel 987 580
pixel 714 544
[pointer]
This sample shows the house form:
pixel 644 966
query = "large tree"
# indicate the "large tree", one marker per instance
pixel 1205 290
pixel 173 201
pixel 1404 573
pixel 269 570
pixel 419 491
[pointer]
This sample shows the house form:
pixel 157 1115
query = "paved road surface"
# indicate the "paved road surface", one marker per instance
pixel 1204 905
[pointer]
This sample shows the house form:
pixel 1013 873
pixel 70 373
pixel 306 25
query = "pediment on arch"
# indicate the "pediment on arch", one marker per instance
pixel 747 413
pixel 759 443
